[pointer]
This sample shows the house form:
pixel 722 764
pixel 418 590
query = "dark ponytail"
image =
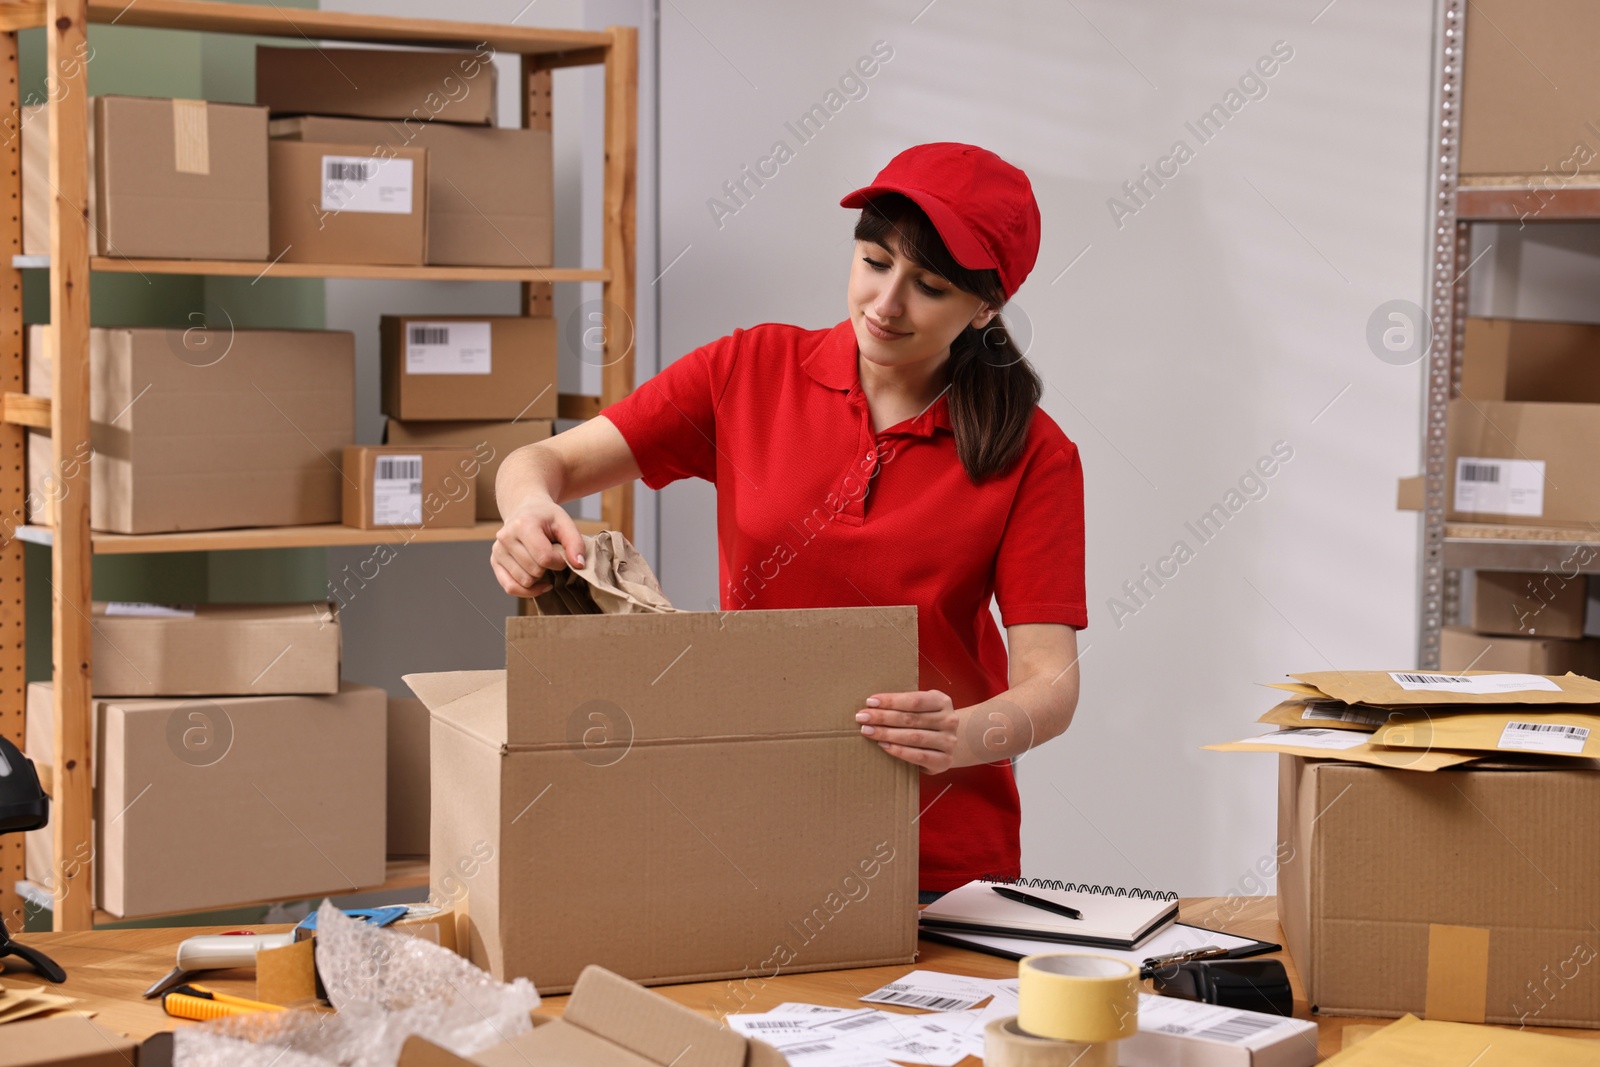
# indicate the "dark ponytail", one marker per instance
pixel 993 388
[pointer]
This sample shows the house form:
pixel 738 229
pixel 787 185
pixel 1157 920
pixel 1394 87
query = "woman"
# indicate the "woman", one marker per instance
pixel 897 458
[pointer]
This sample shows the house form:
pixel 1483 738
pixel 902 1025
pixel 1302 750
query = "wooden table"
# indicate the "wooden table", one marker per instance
pixel 108 969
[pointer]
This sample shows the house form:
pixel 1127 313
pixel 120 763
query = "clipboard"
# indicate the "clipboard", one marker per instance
pixel 1173 938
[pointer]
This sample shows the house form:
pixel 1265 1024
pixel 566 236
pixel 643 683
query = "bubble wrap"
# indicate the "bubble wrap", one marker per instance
pixel 385 987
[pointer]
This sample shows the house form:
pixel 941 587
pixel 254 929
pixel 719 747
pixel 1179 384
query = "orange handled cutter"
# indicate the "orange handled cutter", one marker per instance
pixel 199 1003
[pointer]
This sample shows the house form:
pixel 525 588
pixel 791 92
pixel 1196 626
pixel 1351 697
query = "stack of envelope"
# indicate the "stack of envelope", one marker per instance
pixel 1426 720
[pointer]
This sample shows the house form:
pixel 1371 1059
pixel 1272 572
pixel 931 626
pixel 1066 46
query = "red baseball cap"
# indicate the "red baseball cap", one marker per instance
pixel 982 206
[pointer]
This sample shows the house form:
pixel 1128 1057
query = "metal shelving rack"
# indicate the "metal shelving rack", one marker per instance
pixel 1448 548
pixel 66 22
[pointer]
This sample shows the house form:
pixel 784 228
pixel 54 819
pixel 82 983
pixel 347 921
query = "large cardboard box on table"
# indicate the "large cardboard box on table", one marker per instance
pixel 1523 464
pixel 413 86
pixel 1528 90
pixel 234 428
pixel 677 797
pixel 1462 649
pixel 168 179
pixel 1466 893
pixel 491 442
pixel 346 203
pixel 209 802
pixel 491 200
pixel 455 367
pixel 215 649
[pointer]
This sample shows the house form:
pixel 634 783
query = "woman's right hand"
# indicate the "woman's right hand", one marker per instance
pixel 530 544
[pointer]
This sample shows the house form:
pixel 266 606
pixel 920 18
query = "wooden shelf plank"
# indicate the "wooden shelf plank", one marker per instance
pixel 1490 546
pixel 23 410
pixel 586 46
pixel 239 268
pixel 1527 201
pixel 577 406
pixel 325 535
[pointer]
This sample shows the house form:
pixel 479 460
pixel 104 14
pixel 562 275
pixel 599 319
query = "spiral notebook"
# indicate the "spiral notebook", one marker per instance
pixel 1113 917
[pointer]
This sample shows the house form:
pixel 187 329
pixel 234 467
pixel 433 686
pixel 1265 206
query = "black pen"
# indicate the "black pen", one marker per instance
pixel 1037 902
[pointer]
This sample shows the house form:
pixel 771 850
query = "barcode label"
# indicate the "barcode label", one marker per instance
pixel 801 1050
pixel 1544 737
pixel 843 1025
pixel 408 468
pixel 348 170
pixel 934 1002
pixel 1311 737
pixel 365 184
pixel 1478 684
pixel 1239 1028
pixel 449 348
pixel 397 490
pixel 1500 486
pixel 1431 679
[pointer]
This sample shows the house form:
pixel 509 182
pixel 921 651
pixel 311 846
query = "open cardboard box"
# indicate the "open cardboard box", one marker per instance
pixel 611 1022
pixel 678 797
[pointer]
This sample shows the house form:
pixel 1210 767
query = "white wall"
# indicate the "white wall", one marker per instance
pixel 438 607
pixel 1226 315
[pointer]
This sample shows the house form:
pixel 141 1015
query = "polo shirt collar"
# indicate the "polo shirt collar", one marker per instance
pixel 833 363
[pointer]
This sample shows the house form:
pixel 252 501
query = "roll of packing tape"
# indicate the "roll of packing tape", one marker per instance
pixel 1005 1044
pixel 1073 996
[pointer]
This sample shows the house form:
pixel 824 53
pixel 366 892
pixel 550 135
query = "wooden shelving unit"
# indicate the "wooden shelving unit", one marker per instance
pixel 66 23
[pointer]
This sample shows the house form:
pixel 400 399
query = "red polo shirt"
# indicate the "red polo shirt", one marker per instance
pixel 814 509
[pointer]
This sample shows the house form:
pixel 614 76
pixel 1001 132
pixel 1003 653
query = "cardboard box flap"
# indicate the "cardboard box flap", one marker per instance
pixel 1381 689
pixel 801 673
pixel 649 1025
pixel 472 701
pixel 314 611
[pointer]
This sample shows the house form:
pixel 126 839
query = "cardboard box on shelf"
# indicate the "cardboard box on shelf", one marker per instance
pixel 1409 493
pixel 491 199
pixel 215 649
pixel 345 203
pixel 201 430
pixel 1527 361
pixel 455 367
pixel 208 802
pixel 1403 893
pixel 378 83
pixel 64 1041
pixel 1523 464
pixel 1513 603
pixel 409 485
pixel 615 777
pixel 1515 121
pixel 1461 649
pixel 169 179
pixel 491 442
pixel 408 777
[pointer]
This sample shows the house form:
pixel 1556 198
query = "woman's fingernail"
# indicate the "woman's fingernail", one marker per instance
pixel 869 731
pixel 578 559
pixel 872 702
pixel 862 716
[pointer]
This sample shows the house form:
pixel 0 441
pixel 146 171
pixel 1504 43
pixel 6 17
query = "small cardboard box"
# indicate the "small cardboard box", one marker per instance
pixel 678 797
pixel 1517 604
pixel 169 179
pixel 64 1041
pixel 490 442
pixel 1461 649
pixel 1467 894
pixel 410 485
pixel 205 429
pixel 1523 464
pixel 348 203
pixel 468 367
pixel 1528 88
pixel 215 801
pixel 408 777
pixel 215 649
pixel 491 200
pixel 1540 362
pixel 376 83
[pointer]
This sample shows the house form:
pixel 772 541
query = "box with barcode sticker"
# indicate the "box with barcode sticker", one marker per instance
pixel 1523 463
pixel 1174 1031
pixel 348 203
pixel 410 485
pixel 468 367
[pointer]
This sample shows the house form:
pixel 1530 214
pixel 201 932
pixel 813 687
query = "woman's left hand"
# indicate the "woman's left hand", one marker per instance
pixel 920 727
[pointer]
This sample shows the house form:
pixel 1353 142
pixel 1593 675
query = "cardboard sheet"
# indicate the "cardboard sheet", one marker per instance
pixel 1413 1042
pixel 1349 745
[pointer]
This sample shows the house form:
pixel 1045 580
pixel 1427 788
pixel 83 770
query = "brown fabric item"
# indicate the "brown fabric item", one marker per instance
pixel 614 580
